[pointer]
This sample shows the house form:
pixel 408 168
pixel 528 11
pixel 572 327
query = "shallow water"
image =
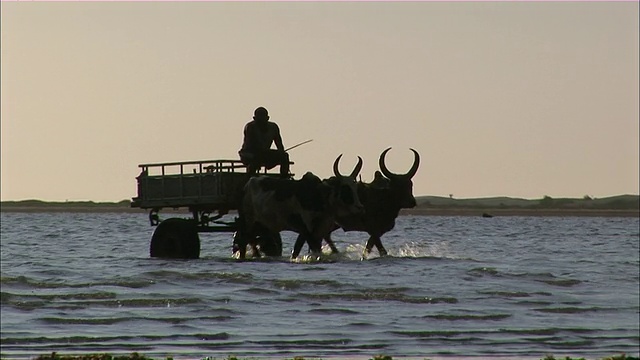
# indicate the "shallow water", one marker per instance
pixel 520 287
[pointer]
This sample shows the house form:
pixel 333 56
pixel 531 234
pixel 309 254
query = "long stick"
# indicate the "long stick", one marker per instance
pixel 295 146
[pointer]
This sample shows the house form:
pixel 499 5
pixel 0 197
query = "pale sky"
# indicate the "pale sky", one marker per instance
pixel 499 98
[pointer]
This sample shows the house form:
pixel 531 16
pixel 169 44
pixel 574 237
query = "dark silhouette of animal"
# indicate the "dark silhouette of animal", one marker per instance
pixel 382 199
pixel 309 207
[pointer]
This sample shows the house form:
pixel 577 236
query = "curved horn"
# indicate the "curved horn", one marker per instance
pixel 409 174
pixel 383 167
pixel 416 162
pixel 357 169
pixel 336 171
pixel 354 173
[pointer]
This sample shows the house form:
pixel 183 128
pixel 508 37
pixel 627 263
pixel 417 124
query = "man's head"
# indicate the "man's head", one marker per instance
pixel 261 114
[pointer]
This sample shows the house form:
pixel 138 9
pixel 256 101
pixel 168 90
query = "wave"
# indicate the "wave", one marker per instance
pixel 375 295
pixel 572 310
pixel 491 317
pixel 290 284
pixel 546 278
pixel 24 281
pixel 79 301
pixel 117 320
pixel 108 339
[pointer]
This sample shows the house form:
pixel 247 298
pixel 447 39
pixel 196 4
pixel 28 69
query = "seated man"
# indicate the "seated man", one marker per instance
pixel 256 150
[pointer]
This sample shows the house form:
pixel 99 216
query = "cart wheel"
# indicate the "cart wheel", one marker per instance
pixel 175 238
pixel 270 243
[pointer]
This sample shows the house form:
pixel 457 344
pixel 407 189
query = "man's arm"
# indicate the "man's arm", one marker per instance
pixel 247 138
pixel 277 138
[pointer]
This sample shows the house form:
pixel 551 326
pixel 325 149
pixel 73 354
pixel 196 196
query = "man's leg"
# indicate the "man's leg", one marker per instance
pixel 252 162
pixel 275 158
pixel 284 164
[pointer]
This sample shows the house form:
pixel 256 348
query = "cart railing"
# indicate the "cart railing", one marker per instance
pixel 195 184
pixel 201 165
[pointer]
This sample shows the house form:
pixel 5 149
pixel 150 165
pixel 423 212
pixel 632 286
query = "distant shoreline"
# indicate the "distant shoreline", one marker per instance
pixel 521 212
pixel 439 211
pixel 613 206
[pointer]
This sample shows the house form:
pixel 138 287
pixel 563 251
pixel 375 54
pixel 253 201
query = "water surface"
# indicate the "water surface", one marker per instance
pixel 519 287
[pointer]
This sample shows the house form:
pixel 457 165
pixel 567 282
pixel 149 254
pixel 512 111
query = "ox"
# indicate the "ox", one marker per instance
pixel 382 199
pixel 308 206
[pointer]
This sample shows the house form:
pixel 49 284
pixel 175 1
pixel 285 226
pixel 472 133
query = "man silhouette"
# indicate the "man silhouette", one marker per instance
pixel 256 150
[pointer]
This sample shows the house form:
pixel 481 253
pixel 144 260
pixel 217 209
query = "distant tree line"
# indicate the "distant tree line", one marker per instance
pixel 623 202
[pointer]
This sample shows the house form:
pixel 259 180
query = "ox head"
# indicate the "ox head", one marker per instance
pixel 344 193
pixel 401 184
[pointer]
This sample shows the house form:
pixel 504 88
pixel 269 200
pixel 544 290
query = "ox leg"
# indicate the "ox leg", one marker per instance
pixel 315 244
pixel 297 247
pixel 371 242
pixel 332 245
pixel 270 243
pixel 303 236
pixel 254 238
pixel 367 248
pixel 329 241
pixel 265 242
pixel 381 250
pixel 256 251
pixel 240 239
pixel 239 245
pixel 251 238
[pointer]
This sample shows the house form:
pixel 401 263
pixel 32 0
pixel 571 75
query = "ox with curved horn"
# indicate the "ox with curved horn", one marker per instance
pixel 382 199
pixel 342 201
pixel 308 206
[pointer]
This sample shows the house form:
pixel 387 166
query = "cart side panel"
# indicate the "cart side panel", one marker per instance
pixel 153 187
pixel 214 190
pixel 211 185
pixel 186 186
pixel 172 187
pixel 208 188
pixel 191 186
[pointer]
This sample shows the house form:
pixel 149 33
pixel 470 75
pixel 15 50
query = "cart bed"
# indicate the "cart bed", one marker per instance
pixel 197 185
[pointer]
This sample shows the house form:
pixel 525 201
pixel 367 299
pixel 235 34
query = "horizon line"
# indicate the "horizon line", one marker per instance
pixel 416 196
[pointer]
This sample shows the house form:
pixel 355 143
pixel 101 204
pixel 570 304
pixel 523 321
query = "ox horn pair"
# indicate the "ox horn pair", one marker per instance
pixel 409 174
pixel 355 171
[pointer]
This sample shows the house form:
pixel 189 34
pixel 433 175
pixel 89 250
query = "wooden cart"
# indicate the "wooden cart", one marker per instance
pixel 208 190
